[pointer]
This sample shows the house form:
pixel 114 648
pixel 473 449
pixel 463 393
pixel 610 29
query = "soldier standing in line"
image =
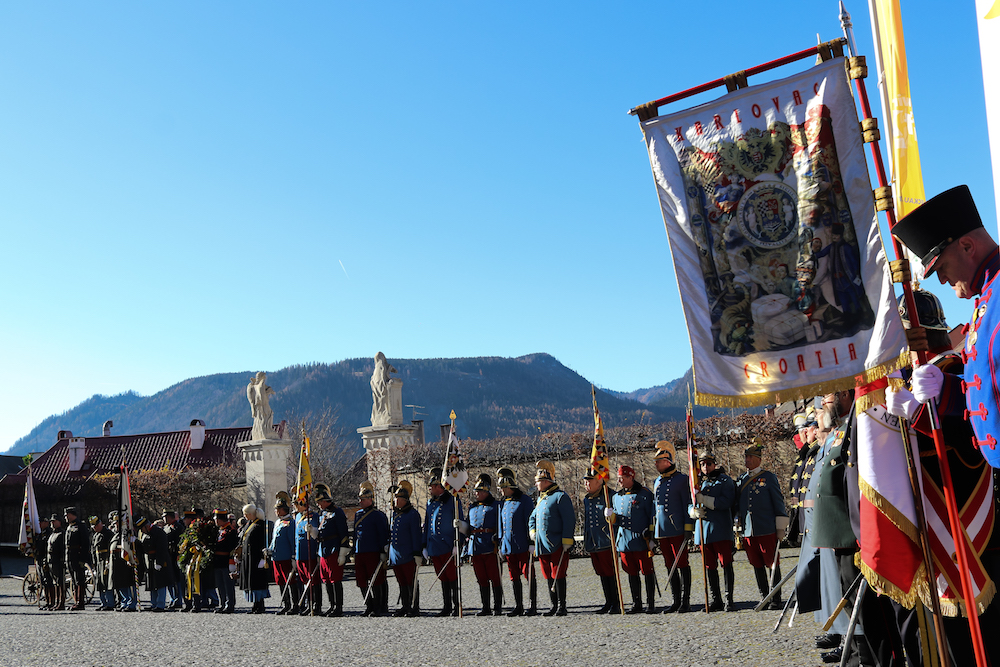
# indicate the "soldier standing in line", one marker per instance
pixel 281 551
pixel 631 513
pixel 371 552
pixel 56 561
pixel 715 521
pixel 672 494
pixel 440 522
pixel 515 543
pixel 761 519
pixel 158 573
pixel 173 530
pixel 209 596
pixel 405 549
pixel 225 566
pixel 334 547
pixel 40 547
pixel 551 527
pixel 597 540
pixel 100 553
pixel 307 557
pixel 122 576
pixel 482 546
pixel 77 556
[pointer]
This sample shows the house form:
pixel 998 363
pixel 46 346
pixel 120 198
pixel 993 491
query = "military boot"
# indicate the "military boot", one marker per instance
pixel 405 592
pixel 730 579
pixel 497 600
pixel 377 600
pixel 635 585
pixel 446 596
pixel 607 597
pixel 456 599
pixel 615 595
pixel 685 590
pixel 776 602
pixel 715 595
pixel 561 596
pixel 317 603
pixel 553 598
pixel 518 609
pixel 650 593
pixel 675 592
pixel 415 604
pixel 532 609
pixel 484 595
pixel 760 574
pixel 330 593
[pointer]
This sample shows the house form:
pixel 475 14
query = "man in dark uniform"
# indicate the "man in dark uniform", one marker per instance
pixel 405 545
pixel 714 528
pixel 307 562
pixel 40 546
pixel 173 530
pixel 672 495
pixel 440 523
pixel 334 547
pixel 100 553
pixel 157 563
pixel 515 544
pixel 481 547
pixel 597 540
pixel 56 562
pixel 225 564
pixel 761 519
pixel 551 526
pixel 122 578
pixel 281 551
pixel 371 552
pixel 77 556
pixel 632 516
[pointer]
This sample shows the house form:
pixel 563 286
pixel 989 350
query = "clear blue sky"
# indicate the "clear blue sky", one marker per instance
pixel 189 188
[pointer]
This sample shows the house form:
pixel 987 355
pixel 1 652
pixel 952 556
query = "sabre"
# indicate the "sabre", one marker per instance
pixel 372 584
pixel 854 622
pixel 784 611
pixel 795 610
pixel 843 602
pixel 288 582
pixel 309 584
pixel 677 559
pixel 774 591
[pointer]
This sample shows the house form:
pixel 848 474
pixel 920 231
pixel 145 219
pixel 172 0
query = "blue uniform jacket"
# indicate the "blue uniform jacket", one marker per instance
pixel 553 520
pixel 672 491
pixel 514 514
pixel 981 355
pixel 305 546
pixel 371 531
pixel 760 501
pixel 406 540
pixel 283 538
pixel 596 534
pixel 719 525
pixel 439 524
pixel 633 516
pixel 332 531
pixel 483 519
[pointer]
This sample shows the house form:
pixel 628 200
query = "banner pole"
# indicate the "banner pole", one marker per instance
pixel 693 475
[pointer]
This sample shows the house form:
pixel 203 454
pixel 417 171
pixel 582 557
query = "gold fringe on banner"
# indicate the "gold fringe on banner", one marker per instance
pixel 877 397
pixel 918 587
pixel 797 393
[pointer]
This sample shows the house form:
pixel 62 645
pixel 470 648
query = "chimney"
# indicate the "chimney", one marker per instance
pixel 63 435
pixel 197 433
pixel 77 453
pixel 419 434
pixel 107 427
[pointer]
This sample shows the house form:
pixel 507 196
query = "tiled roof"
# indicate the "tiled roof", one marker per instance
pixel 146 451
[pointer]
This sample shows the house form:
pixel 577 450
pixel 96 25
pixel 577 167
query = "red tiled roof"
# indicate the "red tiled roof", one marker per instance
pixel 146 451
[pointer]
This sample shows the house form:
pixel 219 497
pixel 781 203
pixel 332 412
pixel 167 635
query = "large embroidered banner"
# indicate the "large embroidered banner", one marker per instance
pixel 771 223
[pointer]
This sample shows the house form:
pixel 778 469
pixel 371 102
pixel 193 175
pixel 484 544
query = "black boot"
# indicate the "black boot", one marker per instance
pixel 607 596
pixel 760 574
pixel 730 579
pixel 317 609
pixel 651 593
pixel 484 595
pixel 715 594
pixel 497 600
pixel 333 600
pixel 675 592
pixel 415 604
pixel 258 607
pixel 518 609
pixel 776 602
pixel 405 595
pixel 338 590
pixel 379 598
pixel 685 590
pixel 635 585
pixel 295 593
pixel 553 598
pixel 532 597
pixel 456 600
pixel 446 596
pixel 561 596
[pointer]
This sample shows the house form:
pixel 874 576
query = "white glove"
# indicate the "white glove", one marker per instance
pixel 383 557
pixel 426 555
pixel 419 560
pixel 313 531
pixel 386 548
pixel 697 512
pixel 707 501
pixel 262 564
pixel 157 567
pixel 926 382
pixel 232 568
pixel 901 403
pixel 609 512
pixel 781 525
pixel 344 553
pixel 531 534
pixel 531 550
pixel 464 527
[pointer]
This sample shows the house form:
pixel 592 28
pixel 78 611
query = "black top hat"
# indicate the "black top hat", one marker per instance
pixel 933 225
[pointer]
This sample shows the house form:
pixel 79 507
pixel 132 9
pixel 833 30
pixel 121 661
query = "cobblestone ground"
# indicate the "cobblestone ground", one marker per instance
pixel 33 637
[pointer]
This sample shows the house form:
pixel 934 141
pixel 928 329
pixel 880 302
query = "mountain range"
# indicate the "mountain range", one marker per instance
pixel 492 396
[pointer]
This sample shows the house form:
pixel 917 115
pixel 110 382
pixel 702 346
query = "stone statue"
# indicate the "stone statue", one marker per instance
pixel 260 408
pixel 381 409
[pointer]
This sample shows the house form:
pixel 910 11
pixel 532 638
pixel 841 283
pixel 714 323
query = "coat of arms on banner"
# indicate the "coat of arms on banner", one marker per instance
pixel 772 229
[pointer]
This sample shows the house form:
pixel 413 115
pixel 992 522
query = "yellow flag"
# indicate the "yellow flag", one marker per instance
pixel 890 56
pixel 304 483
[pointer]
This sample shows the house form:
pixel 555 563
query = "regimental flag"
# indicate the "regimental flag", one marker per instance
pixel 599 463
pixel 29 518
pixel 988 14
pixel 455 477
pixel 771 221
pixel 125 518
pixel 897 106
pixel 304 481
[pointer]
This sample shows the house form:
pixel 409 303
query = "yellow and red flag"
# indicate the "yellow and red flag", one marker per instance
pixel 599 462
pixel 304 483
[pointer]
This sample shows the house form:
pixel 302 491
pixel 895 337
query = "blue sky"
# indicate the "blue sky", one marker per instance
pixel 191 188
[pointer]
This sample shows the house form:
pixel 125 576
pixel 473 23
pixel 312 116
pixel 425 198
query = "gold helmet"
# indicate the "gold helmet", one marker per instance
pixel 366 490
pixel 545 469
pixel 282 499
pixel 404 490
pixel 756 447
pixel 322 492
pixel 506 479
pixel 483 483
pixel 666 450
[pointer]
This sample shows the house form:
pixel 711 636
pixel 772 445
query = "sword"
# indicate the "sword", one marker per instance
pixel 843 602
pixel 309 584
pixel 783 612
pixel 371 585
pixel 774 591
pixel 854 622
pixel 677 559
pixel 288 582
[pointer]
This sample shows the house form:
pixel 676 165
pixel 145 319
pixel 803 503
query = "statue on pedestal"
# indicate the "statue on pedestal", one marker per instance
pixel 381 409
pixel 263 417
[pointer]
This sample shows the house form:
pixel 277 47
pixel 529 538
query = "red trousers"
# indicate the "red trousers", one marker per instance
pixel 405 572
pixel 305 569
pixel 519 565
pixel 634 562
pixel 555 564
pixel 365 566
pixel 717 552
pixel 282 570
pixel 603 562
pixel 330 572
pixel 487 569
pixel 445 572
pixel 669 546
pixel 760 550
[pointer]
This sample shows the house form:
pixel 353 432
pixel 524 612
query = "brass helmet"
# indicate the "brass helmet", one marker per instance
pixel 404 490
pixel 435 476
pixel 282 499
pixel 666 450
pixel 322 492
pixel 483 483
pixel 756 447
pixel 366 490
pixel 506 479
pixel 545 469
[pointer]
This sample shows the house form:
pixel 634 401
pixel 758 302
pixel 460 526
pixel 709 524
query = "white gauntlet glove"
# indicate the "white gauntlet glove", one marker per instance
pixel 464 527
pixel 926 382
pixel 344 553
pixel 901 403
pixel 313 531
pixel 707 501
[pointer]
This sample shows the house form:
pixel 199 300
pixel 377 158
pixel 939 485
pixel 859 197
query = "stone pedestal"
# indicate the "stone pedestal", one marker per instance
pixel 383 445
pixel 267 471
